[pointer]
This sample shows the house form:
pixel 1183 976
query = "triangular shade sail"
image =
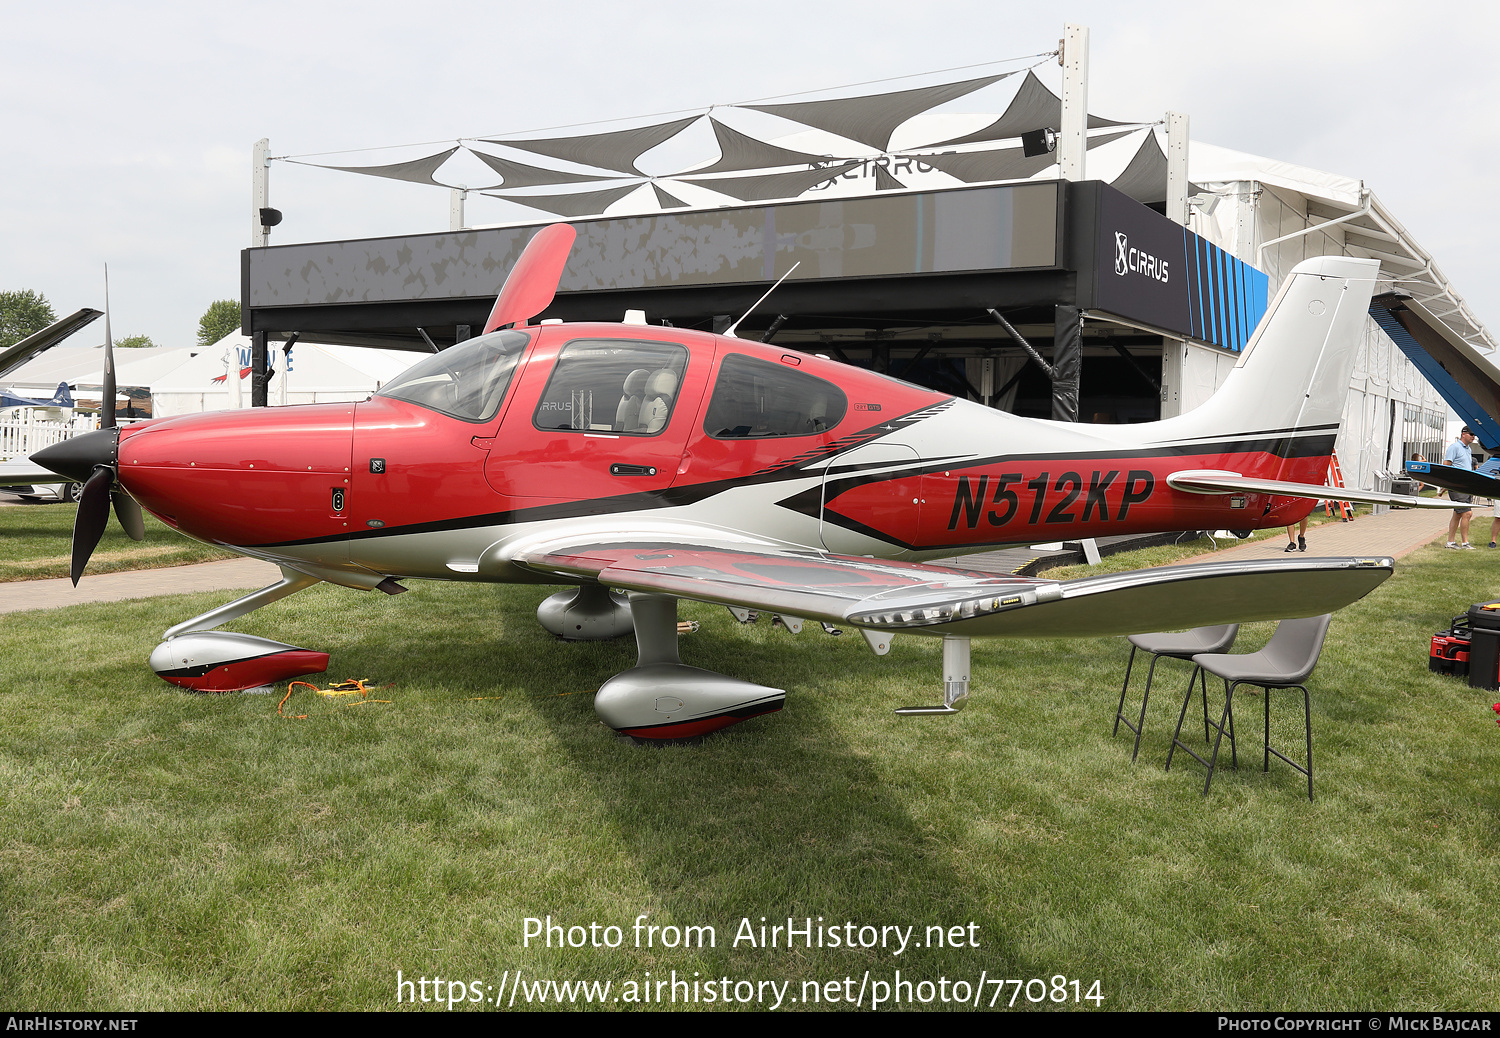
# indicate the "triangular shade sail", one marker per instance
pixel 519 174
pixel 576 203
pixel 1033 108
pixel 418 171
pixel 738 151
pixel 772 185
pixel 617 149
pixel 872 119
pixel 667 201
pixel 1145 179
pixel 978 167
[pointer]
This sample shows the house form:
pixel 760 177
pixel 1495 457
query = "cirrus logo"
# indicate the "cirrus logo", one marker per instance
pixel 1132 260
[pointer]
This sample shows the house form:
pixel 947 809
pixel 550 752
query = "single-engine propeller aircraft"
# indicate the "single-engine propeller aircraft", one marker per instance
pixel 677 464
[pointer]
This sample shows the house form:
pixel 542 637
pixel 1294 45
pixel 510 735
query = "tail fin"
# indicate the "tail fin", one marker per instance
pixel 1294 373
pixel 63 397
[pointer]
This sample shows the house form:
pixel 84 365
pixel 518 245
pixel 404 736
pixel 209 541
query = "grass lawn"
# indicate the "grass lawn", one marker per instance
pixel 36 541
pixel 160 850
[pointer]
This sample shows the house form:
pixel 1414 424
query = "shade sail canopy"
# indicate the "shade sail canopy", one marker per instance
pixel 667 201
pixel 873 118
pixel 978 167
pixel 1145 179
pixel 418 171
pixel 575 203
pixel 617 149
pixel 1033 108
pixel 772 185
pixel 518 174
pixel 739 151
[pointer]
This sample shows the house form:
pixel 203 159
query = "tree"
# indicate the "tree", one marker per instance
pixel 217 321
pixel 21 314
pixel 134 342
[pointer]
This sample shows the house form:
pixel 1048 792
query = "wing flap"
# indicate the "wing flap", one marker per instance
pixel 936 600
pixel 1213 481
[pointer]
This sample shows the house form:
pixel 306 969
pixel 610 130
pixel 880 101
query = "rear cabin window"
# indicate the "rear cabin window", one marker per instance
pixel 609 386
pixel 756 399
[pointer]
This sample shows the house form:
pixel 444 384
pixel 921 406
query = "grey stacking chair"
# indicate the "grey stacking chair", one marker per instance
pixel 1286 661
pixel 1181 646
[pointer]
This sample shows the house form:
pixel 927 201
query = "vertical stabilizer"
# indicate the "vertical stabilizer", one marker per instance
pixel 1294 374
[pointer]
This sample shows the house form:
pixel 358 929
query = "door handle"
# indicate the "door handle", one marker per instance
pixel 618 469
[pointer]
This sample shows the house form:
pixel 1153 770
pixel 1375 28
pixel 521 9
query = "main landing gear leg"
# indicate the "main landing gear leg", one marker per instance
pixel 196 657
pixel 661 698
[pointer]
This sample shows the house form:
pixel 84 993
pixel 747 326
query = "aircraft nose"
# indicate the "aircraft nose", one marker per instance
pixel 77 456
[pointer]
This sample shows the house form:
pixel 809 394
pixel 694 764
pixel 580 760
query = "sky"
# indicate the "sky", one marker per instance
pixel 129 128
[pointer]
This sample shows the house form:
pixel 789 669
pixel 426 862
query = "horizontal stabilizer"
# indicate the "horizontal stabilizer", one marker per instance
pixel 937 600
pixel 1212 481
pixel 45 339
pixel 1450 478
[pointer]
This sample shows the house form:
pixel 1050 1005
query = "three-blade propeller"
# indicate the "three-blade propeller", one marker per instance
pixel 93 459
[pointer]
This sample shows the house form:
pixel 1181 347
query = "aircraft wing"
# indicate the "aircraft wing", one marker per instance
pixel 936 600
pixel 1450 477
pixel 1213 481
pixel 45 339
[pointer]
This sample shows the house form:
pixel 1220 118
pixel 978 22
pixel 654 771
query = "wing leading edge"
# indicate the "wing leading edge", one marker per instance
pixel 935 600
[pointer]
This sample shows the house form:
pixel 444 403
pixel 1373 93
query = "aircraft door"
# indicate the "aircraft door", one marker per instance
pixel 868 503
pixel 597 419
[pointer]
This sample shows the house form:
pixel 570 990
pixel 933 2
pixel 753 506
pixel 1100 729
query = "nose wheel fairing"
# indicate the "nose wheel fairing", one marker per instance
pixel 224 661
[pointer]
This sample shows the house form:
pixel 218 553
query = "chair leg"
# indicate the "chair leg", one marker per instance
pixel 1120 710
pixel 1226 724
pixel 1205 705
pixel 1307 720
pixel 1140 724
pixel 1177 733
pixel 1226 717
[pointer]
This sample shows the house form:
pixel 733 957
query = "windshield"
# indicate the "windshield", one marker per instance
pixel 467 381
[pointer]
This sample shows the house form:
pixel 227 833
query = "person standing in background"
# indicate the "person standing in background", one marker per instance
pixel 1459 456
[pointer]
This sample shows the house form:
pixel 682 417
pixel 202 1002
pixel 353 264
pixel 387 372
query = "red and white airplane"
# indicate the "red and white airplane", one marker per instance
pixel 677 464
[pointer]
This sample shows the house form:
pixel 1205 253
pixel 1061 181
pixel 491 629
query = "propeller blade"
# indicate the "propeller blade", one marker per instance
pixel 107 407
pixel 93 517
pixel 129 514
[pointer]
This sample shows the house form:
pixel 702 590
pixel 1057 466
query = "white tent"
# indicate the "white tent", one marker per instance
pixel 217 377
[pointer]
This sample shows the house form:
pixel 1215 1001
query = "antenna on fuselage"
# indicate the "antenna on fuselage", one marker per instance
pixel 729 332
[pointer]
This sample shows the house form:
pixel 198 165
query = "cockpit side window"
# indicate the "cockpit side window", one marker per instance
pixel 612 386
pixel 467 381
pixel 755 399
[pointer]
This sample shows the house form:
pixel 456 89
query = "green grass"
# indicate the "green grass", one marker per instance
pixel 160 850
pixel 36 542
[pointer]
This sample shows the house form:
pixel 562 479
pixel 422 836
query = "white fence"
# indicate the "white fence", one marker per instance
pixel 23 432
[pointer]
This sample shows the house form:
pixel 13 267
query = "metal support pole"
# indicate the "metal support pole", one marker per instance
pixel 1072 138
pixel 1177 167
pixel 258 365
pixel 456 197
pixel 260 191
pixel 1067 362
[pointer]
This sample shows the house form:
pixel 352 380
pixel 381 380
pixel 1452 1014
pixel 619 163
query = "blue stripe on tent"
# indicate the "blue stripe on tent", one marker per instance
pixel 1457 397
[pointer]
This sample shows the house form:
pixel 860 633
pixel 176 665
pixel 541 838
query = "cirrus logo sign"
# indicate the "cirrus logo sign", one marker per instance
pixel 1132 260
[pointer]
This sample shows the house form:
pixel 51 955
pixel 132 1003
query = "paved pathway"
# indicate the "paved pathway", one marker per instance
pixel 1396 533
pixel 19 595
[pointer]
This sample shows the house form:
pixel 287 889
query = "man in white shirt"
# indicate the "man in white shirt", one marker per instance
pixel 1459 456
